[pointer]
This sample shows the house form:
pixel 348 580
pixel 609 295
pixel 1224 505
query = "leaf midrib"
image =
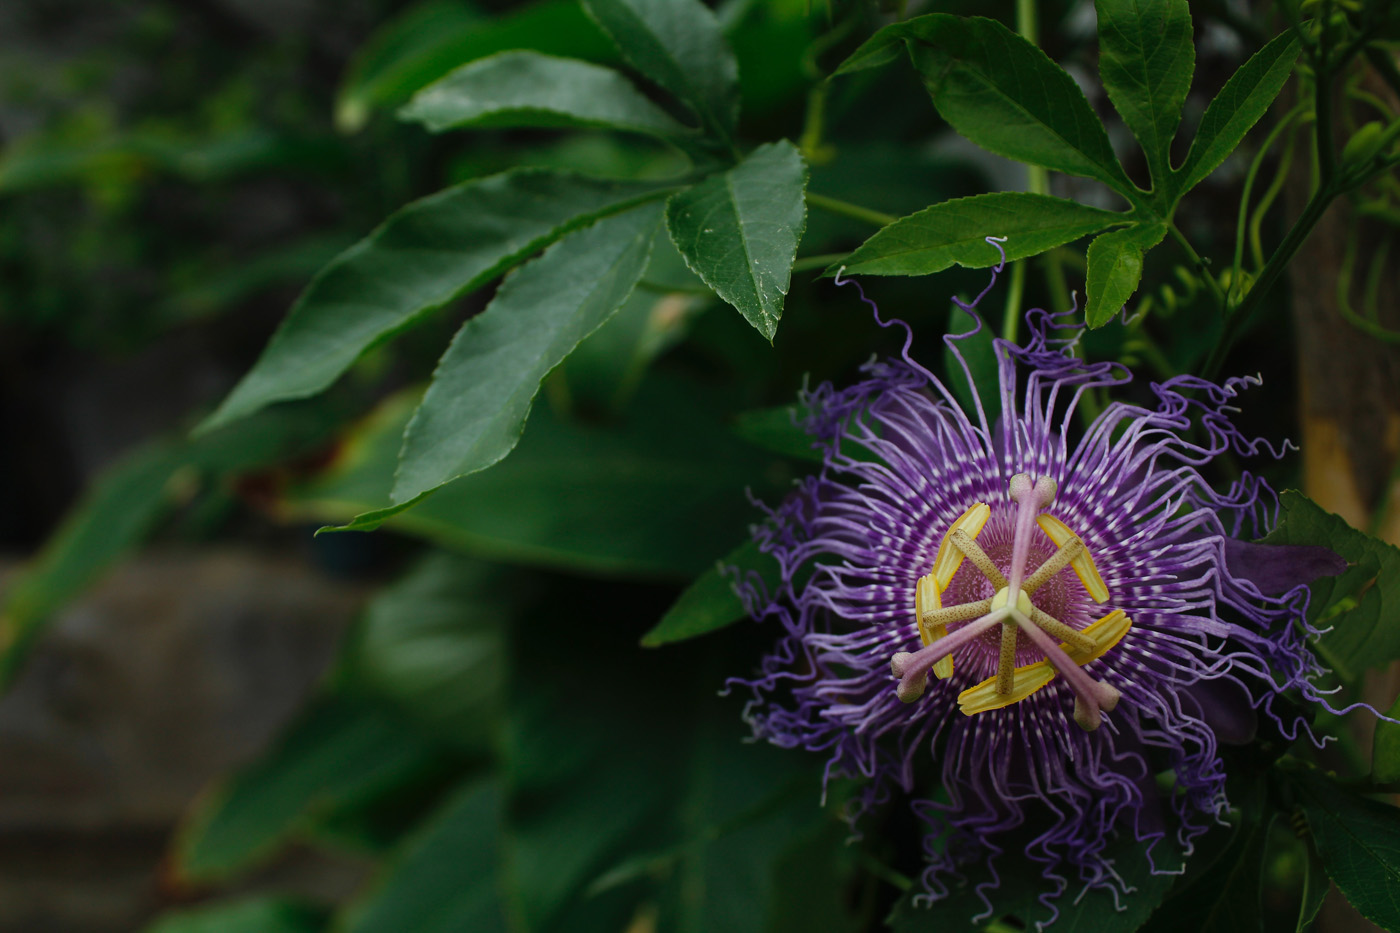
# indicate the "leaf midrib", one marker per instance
pixel 1117 177
pixel 495 418
pixel 744 244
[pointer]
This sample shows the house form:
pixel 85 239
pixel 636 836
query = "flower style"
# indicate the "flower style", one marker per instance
pixel 1059 616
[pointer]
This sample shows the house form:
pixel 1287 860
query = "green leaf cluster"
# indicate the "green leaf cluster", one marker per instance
pixel 736 222
pixel 1001 92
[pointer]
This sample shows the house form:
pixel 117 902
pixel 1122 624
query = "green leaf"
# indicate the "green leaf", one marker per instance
pixel 1358 605
pixel 1095 911
pixel 955 232
pixel 812 891
pixel 529 89
pixel 1115 268
pixel 1315 886
pixel 677 44
pixel 254 915
pixel 1359 842
pixel 1239 105
pixel 1221 896
pixel 1003 93
pixel 114 516
pixel 445 879
pixel 780 430
pixel 1385 748
pixel 604 371
pixel 125 505
pixel 1146 58
pixel 430 39
pixel 432 645
pixel 982 375
pixel 422 257
pixel 738 230
pixel 336 752
pixel 475 409
pixel 610 500
pixel 740 811
pixel 581 795
pixel 710 603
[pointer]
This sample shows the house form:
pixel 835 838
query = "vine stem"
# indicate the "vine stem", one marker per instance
pixel 1202 269
pixel 846 209
pixel 808 263
pixel 1239 318
pixel 1037 182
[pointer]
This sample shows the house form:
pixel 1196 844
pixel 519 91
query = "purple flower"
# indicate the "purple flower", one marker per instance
pixel 1054 616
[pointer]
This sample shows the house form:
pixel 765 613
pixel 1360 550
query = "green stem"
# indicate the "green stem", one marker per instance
pixel 1239 320
pixel 1011 315
pixel 807 263
pixel 1151 354
pixel 1037 182
pixel 811 141
pixel 1025 20
pixel 854 211
pixel 1202 269
pixel 1267 199
pixel 1054 266
pixel 1241 224
pixel 1322 106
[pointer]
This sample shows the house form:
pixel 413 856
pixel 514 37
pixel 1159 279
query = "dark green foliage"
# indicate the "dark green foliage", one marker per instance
pixel 534 226
pixel 1357 606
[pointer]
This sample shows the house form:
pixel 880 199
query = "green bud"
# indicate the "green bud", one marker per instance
pixel 1364 144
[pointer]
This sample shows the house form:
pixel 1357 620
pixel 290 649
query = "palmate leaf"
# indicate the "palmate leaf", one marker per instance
pixel 1146 59
pixel 586 498
pixel 430 39
pixel 1001 92
pixel 954 233
pixel 1115 268
pixel 739 229
pixel 1358 840
pixel 422 257
pixel 1239 105
pixel 523 88
pixel 476 406
pixel 679 45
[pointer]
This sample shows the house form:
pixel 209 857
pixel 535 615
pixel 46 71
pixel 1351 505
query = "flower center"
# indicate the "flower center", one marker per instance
pixel 1024 625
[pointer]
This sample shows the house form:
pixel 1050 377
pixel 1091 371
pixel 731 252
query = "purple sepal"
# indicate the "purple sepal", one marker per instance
pixel 1277 568
pixel 1225 706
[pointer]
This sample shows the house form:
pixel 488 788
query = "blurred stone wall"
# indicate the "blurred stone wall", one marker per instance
pixel 177 668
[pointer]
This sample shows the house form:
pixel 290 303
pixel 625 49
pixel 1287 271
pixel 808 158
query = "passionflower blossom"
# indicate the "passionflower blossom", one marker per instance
pixel 1055 615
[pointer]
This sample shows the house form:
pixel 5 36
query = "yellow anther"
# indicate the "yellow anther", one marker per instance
pixel 926 600
pixel 1106 633
pixel 949 558
pixel 1024 681
pixel 1083 563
